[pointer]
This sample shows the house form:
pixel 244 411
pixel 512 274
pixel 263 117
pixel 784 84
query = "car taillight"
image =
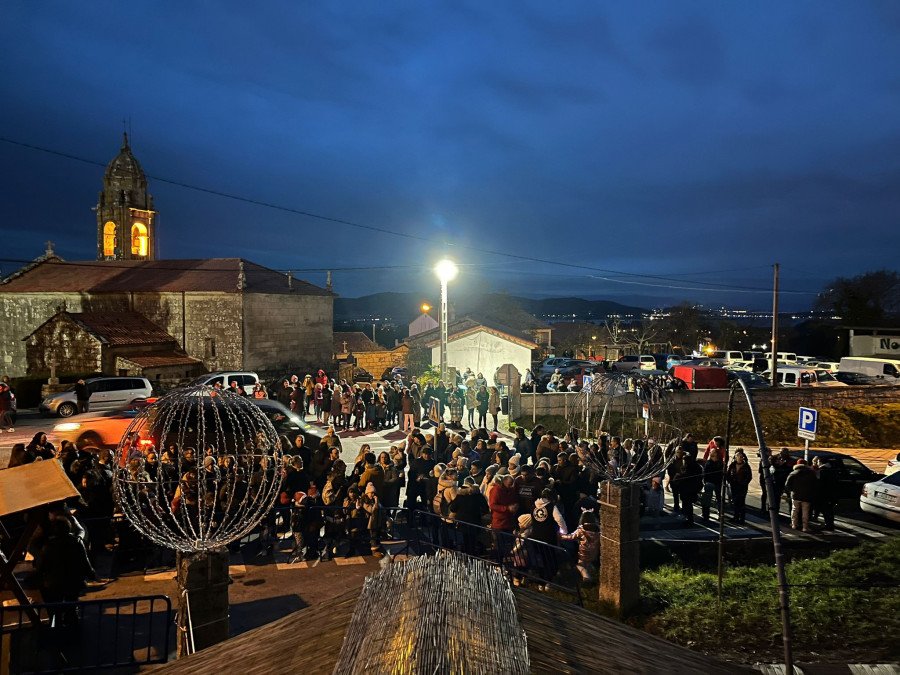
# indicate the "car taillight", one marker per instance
pixel 151 400
pixel 865 492
pixel 145 441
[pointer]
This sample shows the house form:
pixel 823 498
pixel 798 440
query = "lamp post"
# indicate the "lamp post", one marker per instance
pixel 445 270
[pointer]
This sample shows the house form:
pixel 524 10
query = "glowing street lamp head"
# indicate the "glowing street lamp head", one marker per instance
pixel 425 308
pixel 446 270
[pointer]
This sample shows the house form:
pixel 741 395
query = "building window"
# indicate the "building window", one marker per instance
pixel 210 348
pixel 109 239
pixel 139 239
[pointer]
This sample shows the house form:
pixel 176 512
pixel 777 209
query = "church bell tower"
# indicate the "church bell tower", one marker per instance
pixel 126 221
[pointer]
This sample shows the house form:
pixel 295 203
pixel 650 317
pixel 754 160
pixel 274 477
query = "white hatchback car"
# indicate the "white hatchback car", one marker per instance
pixel 882 498
pixel 893 465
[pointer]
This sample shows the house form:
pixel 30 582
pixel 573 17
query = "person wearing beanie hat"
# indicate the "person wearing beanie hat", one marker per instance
pixel 514 466
pixel 802 485
pixel 488 481
pixel 502 471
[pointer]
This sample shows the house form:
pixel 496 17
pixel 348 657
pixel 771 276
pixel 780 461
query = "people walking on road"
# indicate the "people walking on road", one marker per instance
pixel 739 476
pixel 82 397
pixel 713 475
pixel 690 484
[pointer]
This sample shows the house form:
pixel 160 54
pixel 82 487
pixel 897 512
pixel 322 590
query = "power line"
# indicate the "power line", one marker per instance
pixel 407 235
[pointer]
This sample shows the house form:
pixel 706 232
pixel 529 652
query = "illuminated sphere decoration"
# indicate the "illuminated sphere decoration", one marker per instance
pixel 217 474
pixel 635 408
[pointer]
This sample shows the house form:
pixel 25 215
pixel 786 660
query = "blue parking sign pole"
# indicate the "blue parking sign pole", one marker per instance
pixel 807 425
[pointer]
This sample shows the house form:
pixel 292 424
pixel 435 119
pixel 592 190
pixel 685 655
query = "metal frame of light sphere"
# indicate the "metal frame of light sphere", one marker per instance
pixel 613 405
pixel 218 474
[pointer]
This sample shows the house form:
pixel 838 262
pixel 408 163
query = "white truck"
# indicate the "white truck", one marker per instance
pixel 871 366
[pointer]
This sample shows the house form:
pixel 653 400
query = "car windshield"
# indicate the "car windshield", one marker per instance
pixel 893 479
pixel 825 376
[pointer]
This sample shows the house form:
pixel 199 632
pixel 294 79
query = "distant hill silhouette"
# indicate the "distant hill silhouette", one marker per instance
pixel 404 307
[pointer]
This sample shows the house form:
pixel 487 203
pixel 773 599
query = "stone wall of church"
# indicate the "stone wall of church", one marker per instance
pixel 287 330
pixel 22 313
pixel 63 341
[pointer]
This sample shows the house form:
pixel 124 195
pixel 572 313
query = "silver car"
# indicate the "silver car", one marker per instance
pixel 107 393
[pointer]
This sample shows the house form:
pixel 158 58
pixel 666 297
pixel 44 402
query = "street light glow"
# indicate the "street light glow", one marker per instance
pixel 446 270
pixel 425 308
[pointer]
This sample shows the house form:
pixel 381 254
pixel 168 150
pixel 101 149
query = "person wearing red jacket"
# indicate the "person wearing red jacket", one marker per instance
pixel 504 503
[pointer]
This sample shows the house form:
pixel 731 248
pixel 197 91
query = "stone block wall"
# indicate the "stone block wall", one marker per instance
pixel 377 362
pixel 717 399
pixel 62 341
pixel 287 330
pixel 22 313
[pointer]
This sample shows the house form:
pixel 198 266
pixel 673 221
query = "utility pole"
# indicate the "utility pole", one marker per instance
pixel 774 368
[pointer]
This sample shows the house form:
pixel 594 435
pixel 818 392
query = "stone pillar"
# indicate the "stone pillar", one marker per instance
pixel 203 582
pixel 620 546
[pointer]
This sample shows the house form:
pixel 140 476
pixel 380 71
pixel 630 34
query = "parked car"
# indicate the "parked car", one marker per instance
pixel 850 474
pixel 882 497
pixel 856 379
pixel 362 375
pixel 726 355
pixel 831 366
pixel 752 380
pixel 887 369
pixel 107 393
pixel 893 465
pixel 675 360
pixel 392 373
pixel 96 430
pixel 576 372
pixel 634 362
pixel 288 423
pixel 549 366
pixel 245 379
pixel 799 376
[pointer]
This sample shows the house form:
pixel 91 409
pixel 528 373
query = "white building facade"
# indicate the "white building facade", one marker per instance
pixel 484 350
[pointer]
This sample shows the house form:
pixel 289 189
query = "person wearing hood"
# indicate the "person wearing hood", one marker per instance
pixel 513 465
pixel 802 485
pixel 373 474
pixel 447 488
pixel 503 502
pixel 587 535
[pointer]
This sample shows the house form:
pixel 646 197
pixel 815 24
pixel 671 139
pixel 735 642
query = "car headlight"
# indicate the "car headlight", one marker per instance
pixel 67 426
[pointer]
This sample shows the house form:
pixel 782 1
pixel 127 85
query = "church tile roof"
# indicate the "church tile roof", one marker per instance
pixel 214 275
pixel 120 328
pixel 157 360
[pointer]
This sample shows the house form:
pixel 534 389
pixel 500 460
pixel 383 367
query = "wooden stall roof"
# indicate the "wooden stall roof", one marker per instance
pixel 307 641
pixel 562 638
pixel 36 484
pixel 565 638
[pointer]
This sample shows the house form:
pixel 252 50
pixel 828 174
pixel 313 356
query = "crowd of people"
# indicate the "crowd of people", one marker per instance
pixel 393 402
pixel 534 486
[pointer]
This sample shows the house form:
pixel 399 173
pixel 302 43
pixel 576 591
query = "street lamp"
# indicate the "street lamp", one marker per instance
pixel 446 271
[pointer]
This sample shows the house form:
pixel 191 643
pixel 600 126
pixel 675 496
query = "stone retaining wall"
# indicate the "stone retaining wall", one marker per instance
pixel 561 403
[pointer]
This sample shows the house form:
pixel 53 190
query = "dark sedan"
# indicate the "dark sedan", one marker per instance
pixel 851 474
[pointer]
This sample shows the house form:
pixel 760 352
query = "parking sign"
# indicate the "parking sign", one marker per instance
pixel 807 423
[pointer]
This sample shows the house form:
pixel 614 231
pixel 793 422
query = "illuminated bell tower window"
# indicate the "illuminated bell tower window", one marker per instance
pixel 139 240
pixel 109 239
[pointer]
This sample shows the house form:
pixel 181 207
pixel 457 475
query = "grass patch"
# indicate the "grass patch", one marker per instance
pixel 843 607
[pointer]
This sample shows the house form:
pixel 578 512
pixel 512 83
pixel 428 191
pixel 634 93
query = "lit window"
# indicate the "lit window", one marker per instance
pixel 109 239
pixel 139 239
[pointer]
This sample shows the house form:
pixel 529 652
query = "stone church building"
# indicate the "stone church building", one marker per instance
pixel 194 315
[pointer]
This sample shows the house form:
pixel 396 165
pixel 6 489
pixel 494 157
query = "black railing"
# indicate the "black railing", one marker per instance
pixel 87 635
pixel 522 559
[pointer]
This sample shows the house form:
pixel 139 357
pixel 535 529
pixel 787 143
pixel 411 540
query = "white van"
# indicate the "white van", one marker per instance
pixel 729 356
pixel 871 366
pixel 789 358
pixel 245 379
pixel 798 376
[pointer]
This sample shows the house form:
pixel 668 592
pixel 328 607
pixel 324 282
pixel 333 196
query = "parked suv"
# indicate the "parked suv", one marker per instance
pixel 107 393
pixel 634 362
pixel 245 379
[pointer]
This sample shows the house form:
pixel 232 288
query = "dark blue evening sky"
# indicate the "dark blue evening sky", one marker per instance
pixel 674 139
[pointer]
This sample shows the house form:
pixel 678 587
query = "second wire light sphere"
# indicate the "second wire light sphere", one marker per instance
pixel 218 474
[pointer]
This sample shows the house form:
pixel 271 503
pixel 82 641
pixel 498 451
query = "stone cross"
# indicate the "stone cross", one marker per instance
pixel 49 245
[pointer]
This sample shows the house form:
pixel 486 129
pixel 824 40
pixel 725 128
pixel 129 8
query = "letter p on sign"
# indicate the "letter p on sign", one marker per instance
pixel 806 426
